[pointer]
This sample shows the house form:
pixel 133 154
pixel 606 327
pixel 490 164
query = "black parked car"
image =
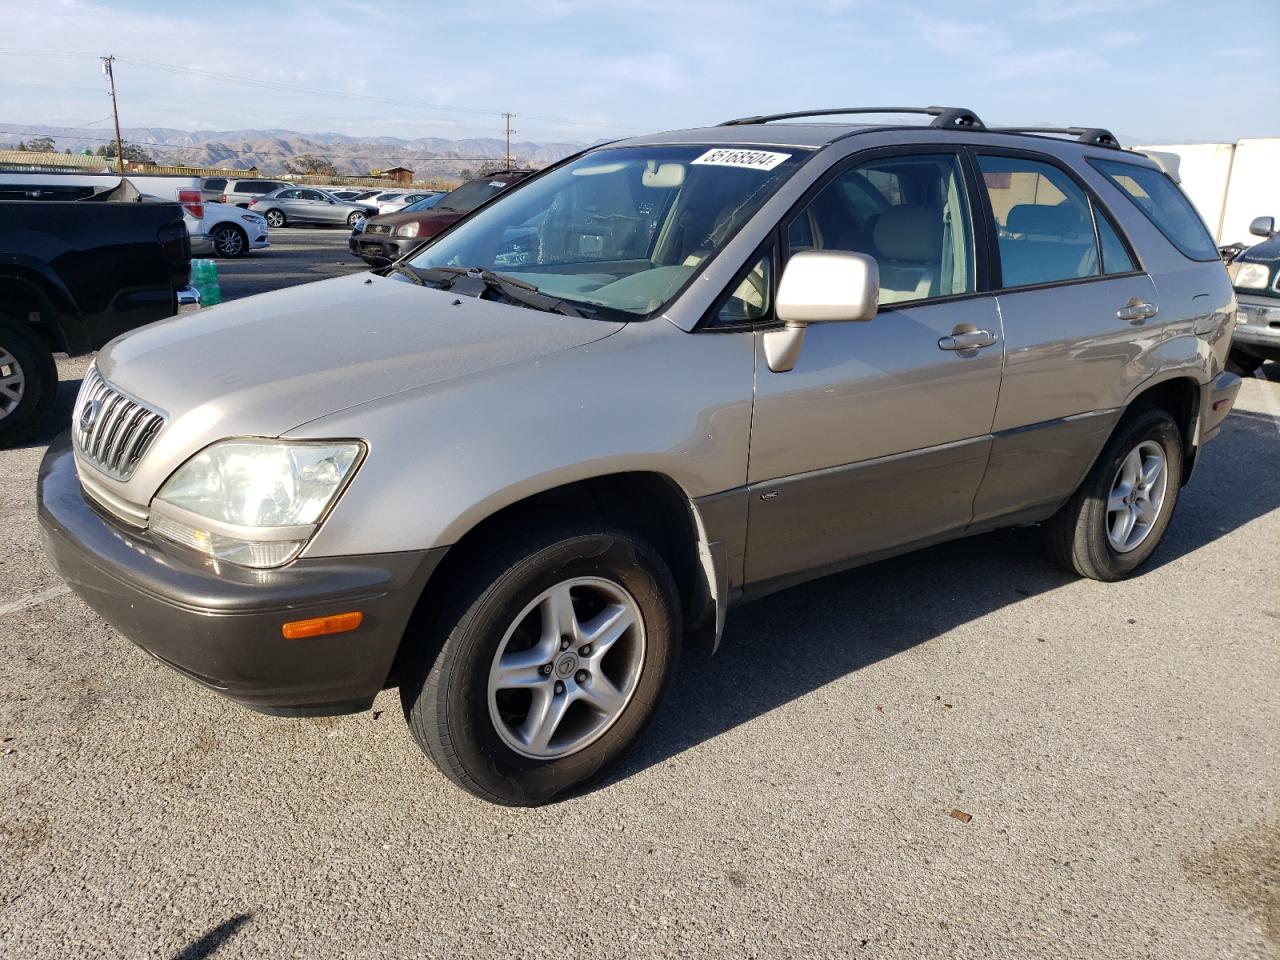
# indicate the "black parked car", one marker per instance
pixel 74 274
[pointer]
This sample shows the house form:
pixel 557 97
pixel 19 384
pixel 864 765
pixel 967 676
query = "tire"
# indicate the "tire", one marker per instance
pixel 28 382
pixel 356 217
pixel 1243 364
pixel 276 218
pixel 469 721
pixel 230 241
pixel 1087 537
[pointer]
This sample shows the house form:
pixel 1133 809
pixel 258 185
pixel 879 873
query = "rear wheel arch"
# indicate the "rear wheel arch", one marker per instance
pixel 1180 396
pixel 23 301
pixel 650 504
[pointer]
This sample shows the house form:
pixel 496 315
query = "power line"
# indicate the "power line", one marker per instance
pixel 303 88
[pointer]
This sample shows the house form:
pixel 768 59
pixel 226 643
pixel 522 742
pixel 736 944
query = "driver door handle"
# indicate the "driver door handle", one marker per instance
pixel 967 341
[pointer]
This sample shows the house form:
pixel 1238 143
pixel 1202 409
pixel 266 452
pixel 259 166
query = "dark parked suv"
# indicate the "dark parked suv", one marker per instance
pixel 661 378
pixel 1256 276
pixel 382 239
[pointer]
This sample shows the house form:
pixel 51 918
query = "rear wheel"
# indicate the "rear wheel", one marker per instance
pixel 1115 520
pixel 229 240
pixel 28 382
pixel 275 218
pixel 551 664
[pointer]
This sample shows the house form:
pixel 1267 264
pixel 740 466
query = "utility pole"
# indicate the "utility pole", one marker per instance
pixel 507 153
pixel 115 112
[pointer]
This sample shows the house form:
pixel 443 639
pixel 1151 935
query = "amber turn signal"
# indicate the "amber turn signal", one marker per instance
pixel 322 626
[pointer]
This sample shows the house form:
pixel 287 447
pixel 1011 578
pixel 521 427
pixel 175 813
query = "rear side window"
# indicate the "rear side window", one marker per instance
pixel 1164 204
pixel 215 183
pixel 1043 222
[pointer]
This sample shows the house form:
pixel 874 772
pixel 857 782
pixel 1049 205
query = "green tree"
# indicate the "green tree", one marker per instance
pixel 40 145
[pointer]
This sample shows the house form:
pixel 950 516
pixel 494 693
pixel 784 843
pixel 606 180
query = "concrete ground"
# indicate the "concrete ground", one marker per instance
pixel 1116 746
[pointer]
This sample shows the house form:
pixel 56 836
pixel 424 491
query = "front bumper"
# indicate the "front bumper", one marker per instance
pixel 1258 324
pixel 221 624
pixel 380 249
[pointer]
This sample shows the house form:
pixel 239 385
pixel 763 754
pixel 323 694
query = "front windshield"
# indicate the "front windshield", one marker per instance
pixel 426 203
pixel 623 229
pixel 471 194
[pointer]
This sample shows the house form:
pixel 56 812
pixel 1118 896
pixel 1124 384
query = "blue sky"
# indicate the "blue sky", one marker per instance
pixel 575 70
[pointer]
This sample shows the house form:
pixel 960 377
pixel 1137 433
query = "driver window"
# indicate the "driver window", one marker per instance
pixel 909 212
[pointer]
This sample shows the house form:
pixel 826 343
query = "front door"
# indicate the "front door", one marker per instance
pixel 878 438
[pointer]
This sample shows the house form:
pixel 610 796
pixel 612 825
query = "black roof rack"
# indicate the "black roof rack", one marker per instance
pixel 950 118
pixel 1093 136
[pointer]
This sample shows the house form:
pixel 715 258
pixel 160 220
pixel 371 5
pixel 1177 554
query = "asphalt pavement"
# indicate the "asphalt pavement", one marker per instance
pixel 961 753
pixel 296 255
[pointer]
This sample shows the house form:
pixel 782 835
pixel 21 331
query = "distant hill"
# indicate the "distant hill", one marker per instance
pixel 270 150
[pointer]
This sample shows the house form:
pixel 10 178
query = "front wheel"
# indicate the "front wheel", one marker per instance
pixel 1115 520
pixel 230 241
pixel 28 382
pixel 356 219
pixel 551 664
pixel 275 218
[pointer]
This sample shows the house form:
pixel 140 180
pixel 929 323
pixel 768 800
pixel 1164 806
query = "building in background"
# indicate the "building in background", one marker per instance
pixel 1230 183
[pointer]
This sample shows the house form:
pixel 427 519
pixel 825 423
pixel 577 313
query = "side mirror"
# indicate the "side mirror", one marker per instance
pixel 820 286
pixel 1264 227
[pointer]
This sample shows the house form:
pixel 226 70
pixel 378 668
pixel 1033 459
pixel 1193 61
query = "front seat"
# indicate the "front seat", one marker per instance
pixel 908 242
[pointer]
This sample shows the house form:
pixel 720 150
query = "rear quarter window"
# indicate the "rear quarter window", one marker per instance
pixel 1161 202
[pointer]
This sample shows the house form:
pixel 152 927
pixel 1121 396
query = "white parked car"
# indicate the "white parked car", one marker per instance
pixel 220 229
pixel 397 202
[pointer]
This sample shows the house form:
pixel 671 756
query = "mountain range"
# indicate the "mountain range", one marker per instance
pixel 270 150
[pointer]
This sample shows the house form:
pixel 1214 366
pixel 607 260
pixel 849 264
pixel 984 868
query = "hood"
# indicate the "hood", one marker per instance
pixel 262 365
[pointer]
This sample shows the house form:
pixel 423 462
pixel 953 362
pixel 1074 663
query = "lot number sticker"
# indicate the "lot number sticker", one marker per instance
pixel 750 159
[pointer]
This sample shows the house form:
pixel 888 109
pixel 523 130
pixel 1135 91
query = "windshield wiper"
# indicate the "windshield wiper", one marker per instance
pixel 409 272
pixel 525 294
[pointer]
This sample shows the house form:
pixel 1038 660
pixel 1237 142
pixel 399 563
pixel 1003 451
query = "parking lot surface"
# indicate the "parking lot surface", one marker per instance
pixel 296 255
pixel 1115 745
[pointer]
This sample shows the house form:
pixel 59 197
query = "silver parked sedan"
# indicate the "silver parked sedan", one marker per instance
pixel 307 205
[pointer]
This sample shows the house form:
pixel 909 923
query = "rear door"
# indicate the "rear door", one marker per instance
pixel 1077 310
pixel 879 436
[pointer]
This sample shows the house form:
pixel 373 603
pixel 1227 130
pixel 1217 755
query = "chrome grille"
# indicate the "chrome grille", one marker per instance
pixel 378 228
pixel 112 430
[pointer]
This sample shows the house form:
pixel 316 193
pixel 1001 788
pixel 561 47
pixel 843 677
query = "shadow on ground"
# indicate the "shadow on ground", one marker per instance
pixel 213 939
pixel 792 643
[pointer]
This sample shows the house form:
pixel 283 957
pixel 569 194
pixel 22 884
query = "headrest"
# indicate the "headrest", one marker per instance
pixel 909 233
pixel 1038 219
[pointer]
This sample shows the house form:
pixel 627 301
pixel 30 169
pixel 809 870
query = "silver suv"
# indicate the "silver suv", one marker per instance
pixel 663 377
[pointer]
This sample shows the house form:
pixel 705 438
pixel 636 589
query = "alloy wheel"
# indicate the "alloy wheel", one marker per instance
pixel 566 669
pixel 1137 496
pixel 229 242
pixel 275 218
pixel 13 383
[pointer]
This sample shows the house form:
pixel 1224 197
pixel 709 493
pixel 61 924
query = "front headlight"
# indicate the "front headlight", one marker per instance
pixel 407 230
pixel 1253 276
pixel 253 502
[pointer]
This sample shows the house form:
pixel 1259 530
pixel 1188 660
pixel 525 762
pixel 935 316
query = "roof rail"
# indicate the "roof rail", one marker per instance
pixel 950 118
pixel 1093 136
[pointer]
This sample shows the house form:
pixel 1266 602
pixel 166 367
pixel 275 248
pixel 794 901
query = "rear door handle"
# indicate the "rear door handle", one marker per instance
pixel 967 341
pixel 1135 311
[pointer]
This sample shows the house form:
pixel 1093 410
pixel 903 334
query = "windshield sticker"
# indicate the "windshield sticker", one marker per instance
pixel 496 183
pixel 750 159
